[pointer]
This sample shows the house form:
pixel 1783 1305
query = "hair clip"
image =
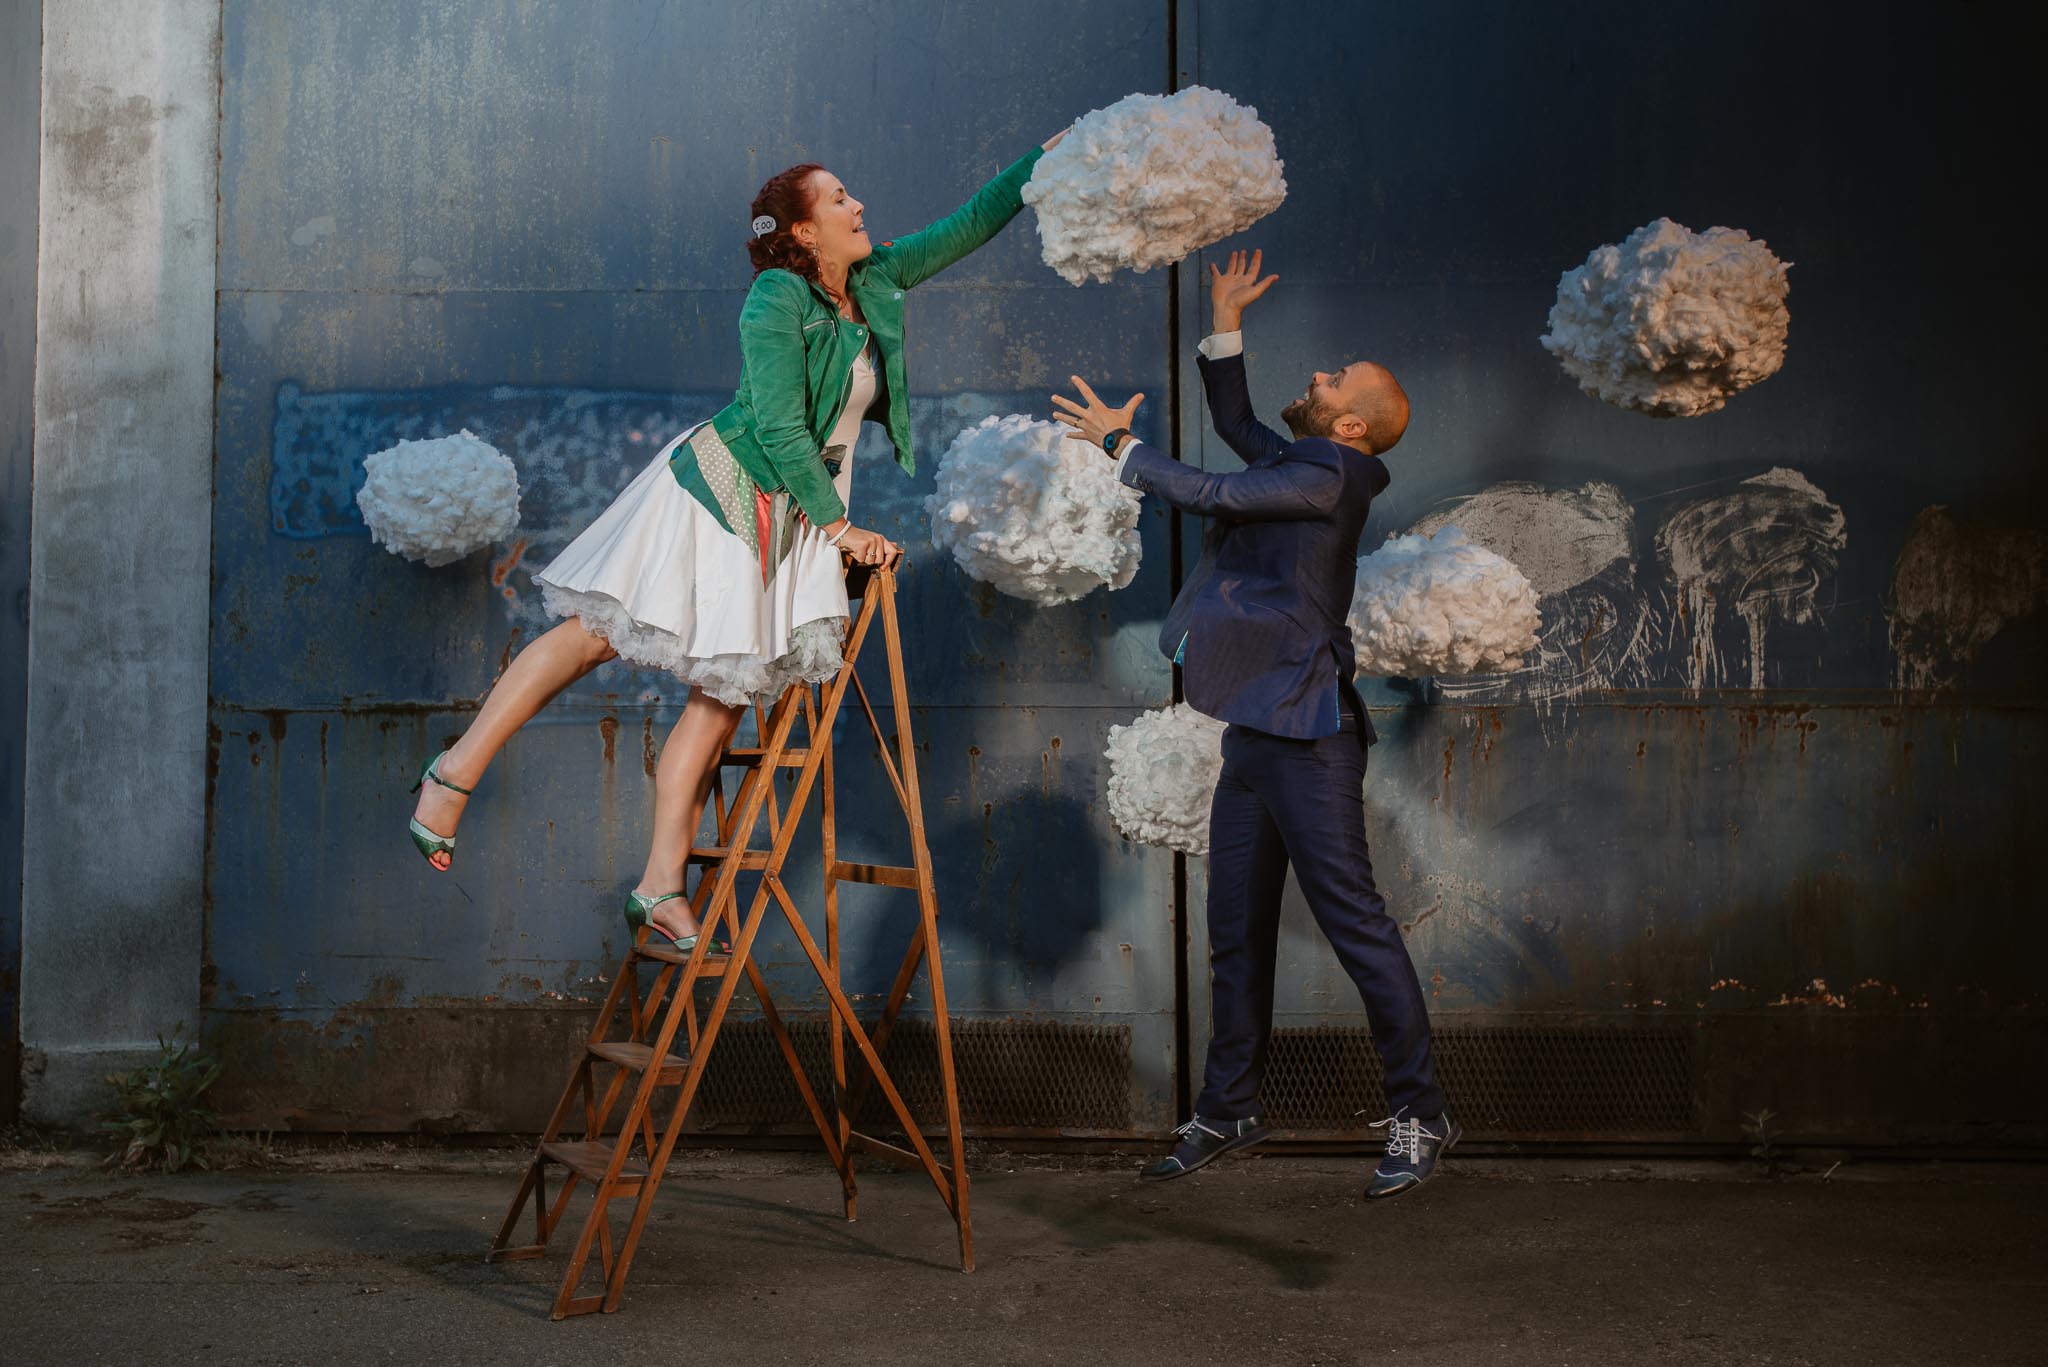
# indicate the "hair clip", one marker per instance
pixel 763 226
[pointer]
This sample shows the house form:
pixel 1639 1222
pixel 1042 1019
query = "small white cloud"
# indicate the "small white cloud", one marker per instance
pixel 1163 769
pixel 439 500
pixel 1440 605
pixel 1150 179
pixel 1042 517
pixel 1672 322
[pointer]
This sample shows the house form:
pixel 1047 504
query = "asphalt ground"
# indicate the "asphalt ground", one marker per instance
pixel 1258 1260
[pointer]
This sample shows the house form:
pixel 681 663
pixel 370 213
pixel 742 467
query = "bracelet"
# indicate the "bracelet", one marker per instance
pixel 1109 442
pixel 834 540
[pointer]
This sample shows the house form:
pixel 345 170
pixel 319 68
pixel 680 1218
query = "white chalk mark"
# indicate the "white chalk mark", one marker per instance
pixel 1577 547
pixel 1765 547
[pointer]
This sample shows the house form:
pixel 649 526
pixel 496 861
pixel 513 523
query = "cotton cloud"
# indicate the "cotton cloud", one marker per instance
pixel 1162 775
pixel 1042 517
pixel 439 500
pixel 1440 605
pixel 1672 322
pixel 1150 179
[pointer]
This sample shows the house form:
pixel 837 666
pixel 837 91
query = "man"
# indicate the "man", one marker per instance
pixel 1260 631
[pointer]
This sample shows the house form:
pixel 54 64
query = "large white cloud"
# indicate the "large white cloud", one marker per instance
pixel 1162 777
pixel 1440 605
pixel 1150 179
pixel 441 499
pixel 1672 322
pixel 1040 516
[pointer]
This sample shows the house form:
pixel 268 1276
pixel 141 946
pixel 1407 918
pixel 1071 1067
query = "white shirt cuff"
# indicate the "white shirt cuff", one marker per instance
pixel 1219 345
pixel 1129 447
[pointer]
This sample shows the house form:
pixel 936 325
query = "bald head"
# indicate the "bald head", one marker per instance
pixel 1360 404
pixel 1377 398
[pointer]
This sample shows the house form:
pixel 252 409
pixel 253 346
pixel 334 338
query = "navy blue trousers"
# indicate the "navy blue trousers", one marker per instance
pixel 1283 801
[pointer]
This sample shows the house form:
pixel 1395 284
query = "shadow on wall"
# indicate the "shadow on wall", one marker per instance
pixel 1022 912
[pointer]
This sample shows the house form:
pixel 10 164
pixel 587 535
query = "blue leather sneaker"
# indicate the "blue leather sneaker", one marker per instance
pixel 1413 1148
pixel 1202 1140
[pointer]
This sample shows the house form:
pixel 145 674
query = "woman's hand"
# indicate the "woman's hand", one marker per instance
pixel 1232 289
pixel 1054 140
pixel 1097 419
pixel 869 548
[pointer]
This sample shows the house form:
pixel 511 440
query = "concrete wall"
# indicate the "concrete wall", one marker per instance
pixel 116 761
pixel 21 50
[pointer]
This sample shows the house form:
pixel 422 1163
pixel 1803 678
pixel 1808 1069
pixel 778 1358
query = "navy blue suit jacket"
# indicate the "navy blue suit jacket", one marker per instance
pixel 1263 613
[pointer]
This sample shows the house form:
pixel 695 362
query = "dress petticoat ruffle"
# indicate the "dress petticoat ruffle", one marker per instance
pixel 737 679
pixel 669 587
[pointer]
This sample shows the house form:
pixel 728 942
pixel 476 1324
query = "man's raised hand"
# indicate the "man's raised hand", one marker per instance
pixel 1094 420
pixel 1233 288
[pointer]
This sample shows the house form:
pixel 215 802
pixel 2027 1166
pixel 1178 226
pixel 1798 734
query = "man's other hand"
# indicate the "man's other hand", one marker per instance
pixel 1230 290
pixel 1094 420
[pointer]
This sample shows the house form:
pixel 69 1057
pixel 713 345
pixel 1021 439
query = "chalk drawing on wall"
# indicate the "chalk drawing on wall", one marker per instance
pixel 1577 548
pixel 1956 585
pixel 1764 548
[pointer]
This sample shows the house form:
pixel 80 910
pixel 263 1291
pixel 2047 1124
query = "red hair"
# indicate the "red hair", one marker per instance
pixel 787 198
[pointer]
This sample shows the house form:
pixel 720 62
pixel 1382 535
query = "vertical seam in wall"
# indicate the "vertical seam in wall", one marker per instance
pixel 1182 1043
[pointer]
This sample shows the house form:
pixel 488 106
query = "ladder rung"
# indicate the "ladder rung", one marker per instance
pixel 893 1153
pixel 715 963
pixel 889 875
pixel 589 1158
pixel 637 1056
pixel 749 756
pixel 717 854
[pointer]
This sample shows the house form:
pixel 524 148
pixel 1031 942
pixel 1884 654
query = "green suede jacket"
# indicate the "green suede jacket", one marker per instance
pixel 797 351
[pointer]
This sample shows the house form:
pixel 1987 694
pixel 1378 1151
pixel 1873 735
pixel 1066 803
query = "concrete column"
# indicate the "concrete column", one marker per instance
pixel 21 53
pixel 113 850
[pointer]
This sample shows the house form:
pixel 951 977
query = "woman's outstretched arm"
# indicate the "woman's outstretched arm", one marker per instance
pixel 923 254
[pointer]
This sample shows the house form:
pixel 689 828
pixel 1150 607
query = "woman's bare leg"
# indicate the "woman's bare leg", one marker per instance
pixel 681 784
pixel 550 664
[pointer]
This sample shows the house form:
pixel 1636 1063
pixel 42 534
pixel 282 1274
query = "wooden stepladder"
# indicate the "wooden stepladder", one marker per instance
pixel 647 1042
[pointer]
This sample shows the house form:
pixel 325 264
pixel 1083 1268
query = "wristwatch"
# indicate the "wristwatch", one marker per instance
pixel 1109 442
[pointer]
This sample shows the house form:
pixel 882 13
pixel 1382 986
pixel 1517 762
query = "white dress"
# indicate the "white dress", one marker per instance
pixel 659 577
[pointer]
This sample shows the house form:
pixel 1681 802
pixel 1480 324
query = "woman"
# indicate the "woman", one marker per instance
pixel 721 562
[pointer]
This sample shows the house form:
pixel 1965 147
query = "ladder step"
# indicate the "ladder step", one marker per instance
pixel 715 964
pixel 749 757
pixel 888 875
pixel 589 1158
pixel 637 1056
pixel 718 854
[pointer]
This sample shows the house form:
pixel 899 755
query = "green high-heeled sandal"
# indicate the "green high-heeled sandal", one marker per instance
pixel 428 842
pixel 640 912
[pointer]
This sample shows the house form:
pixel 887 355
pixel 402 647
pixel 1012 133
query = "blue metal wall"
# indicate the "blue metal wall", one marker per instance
pixel 529 221
pixel 1817 880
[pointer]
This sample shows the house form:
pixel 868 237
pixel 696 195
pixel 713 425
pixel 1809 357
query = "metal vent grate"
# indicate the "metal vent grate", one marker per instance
pixel 1013 1075
pixel 1551 1082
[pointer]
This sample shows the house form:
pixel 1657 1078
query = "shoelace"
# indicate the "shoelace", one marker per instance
pixel 1196 1124
pixel 1404 1137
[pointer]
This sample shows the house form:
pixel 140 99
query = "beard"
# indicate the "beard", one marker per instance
pixel 1309 416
